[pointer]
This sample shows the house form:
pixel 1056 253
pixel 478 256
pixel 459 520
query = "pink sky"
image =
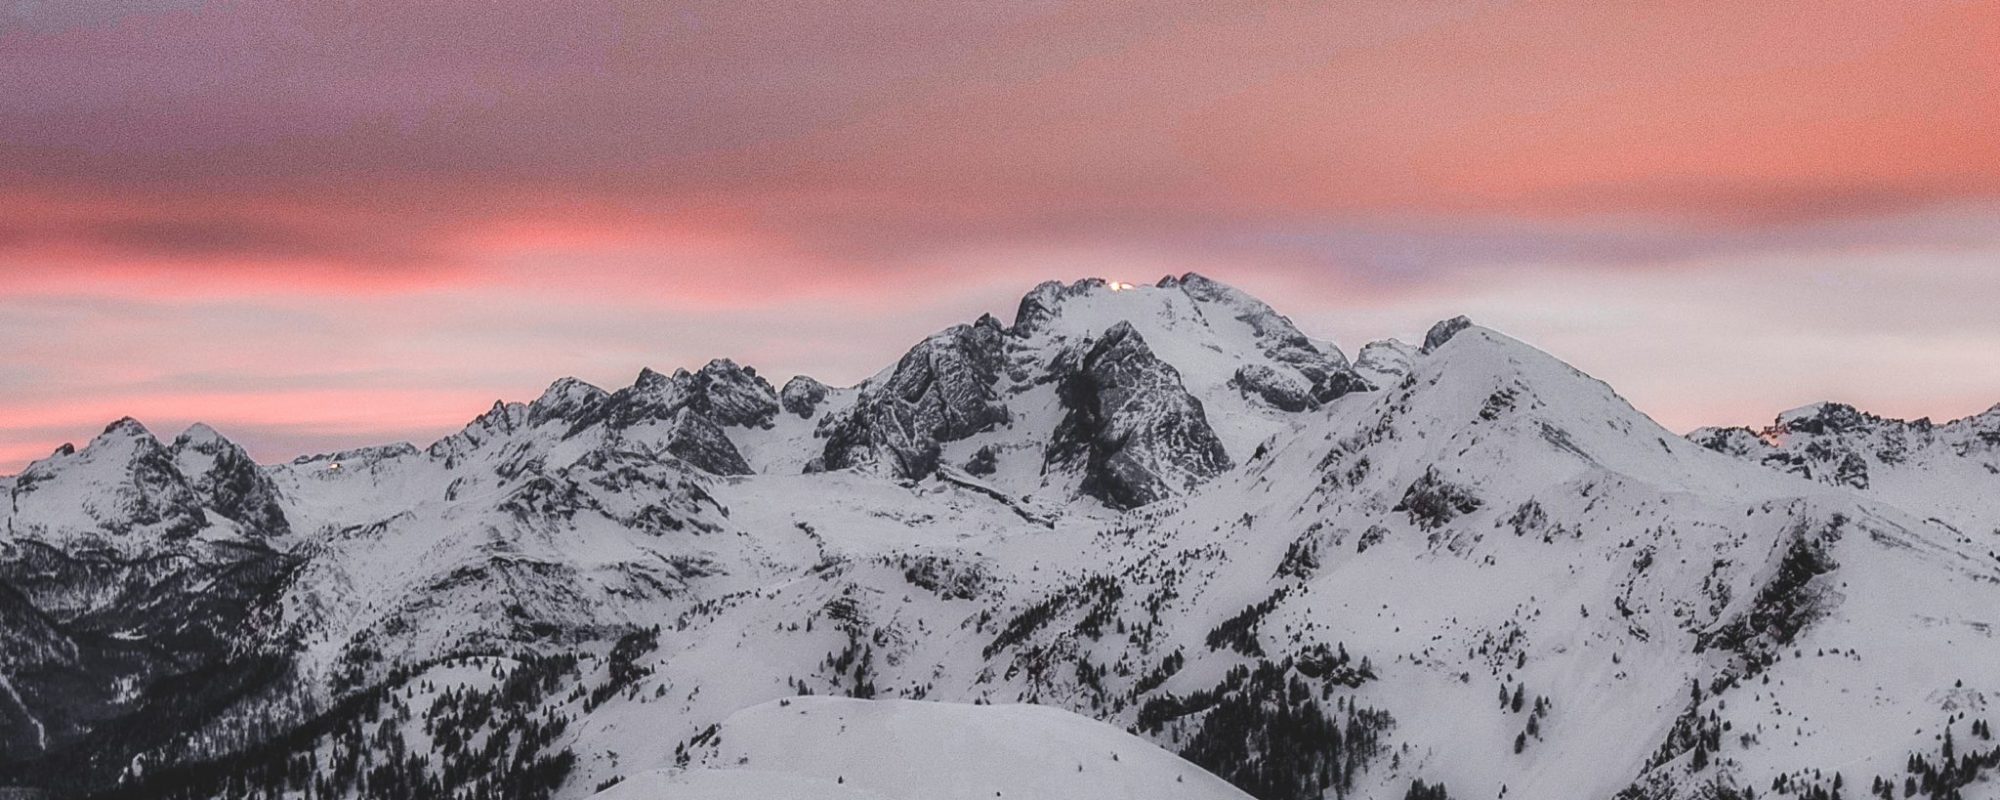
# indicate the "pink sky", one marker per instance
pixel 328 225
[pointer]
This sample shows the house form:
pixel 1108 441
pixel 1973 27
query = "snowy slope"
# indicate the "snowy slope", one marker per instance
pixel 1949 472
pixel 1158 507
pixel 910 750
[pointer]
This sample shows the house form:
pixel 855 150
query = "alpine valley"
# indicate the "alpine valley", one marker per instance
pixel 1144 542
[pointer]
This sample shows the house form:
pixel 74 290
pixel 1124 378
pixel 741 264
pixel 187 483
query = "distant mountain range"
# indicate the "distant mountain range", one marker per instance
pixel 1219 557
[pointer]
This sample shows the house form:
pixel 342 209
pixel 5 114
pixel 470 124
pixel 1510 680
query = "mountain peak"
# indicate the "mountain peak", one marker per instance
pixel 199 434
pixel 1384 362
pixel 1824 417
pixel 568 399
pixel 1051 299
pixel 1188 279
pixel 125 427
pixel 1443 331
pixel 648 378
pixel 127 437
pixel 802 395
pixel 569 387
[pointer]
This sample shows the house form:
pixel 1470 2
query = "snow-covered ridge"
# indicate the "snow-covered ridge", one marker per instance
pixel 1178 543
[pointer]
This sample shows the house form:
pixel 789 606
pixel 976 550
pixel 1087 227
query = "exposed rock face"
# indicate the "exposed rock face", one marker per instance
pixel 802 396
pixel 722 391
pixel 1131 427
pixel 940 391
pixel 567 399
pixel 1739 442
pixel 732 395
pixel 499 422
pixel 226 480
pixel 1443 331
pixel 983 462
pixel 1916 463
pixel 1277 389
pixel 1044 301
pixel 1828 442
pixel 1385 362
pixel 683 414
pixel 385 452
pixel 1829 418
pixel 696 440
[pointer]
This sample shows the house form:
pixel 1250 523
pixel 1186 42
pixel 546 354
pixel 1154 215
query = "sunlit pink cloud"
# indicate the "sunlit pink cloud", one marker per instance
pixel 252 208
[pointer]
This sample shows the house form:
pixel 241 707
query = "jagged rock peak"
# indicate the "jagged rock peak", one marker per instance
pixel 503 417
pixel 1130 425
pixel 727 393
pixel 570 391
pixel 1047 300
pixel 228 481
pixel 126 443
pixel 567 399
pixel 1735 441
pixel 1188 315
pixel 373 453
pixel 732 395
pixel 650 379
pixel 126 427
pixel 1385 361
pixel 802 396
pixel 1040 303
pixel 1826 418
pixel 131 480
pixel 1443 331
pixel 200 436
pixel 942 390
pixel 501 420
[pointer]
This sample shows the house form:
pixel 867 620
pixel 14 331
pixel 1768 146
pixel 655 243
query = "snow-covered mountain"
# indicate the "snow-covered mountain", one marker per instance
pixel 1462 569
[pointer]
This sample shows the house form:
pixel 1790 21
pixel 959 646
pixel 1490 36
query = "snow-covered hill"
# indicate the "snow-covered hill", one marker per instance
pixel 812 747
pixel 1463 569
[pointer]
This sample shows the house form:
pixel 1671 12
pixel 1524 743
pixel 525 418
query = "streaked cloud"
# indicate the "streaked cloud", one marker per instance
pixel 343 222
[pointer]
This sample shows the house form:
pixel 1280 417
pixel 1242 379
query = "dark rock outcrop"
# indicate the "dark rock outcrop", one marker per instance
pixel 695 439
pixel 1738 442
pixel 228 482
pixel 1443 331
pixel 1130 426
pixel 942 390
pixel 731 395
pixel 1384 362
pixel 567 399
pixel 722 391
pixel 983 462
pixel 1280 390
pixel 802 396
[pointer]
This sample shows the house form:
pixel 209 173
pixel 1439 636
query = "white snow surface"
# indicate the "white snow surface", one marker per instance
pixel 1487 520
pixel 825 747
